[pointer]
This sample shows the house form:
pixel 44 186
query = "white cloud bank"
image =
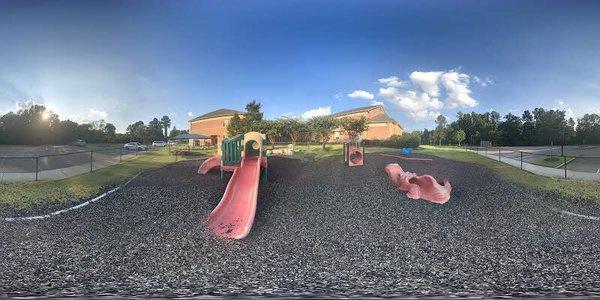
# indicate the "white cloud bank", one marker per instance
pixel 96 113
pixel 392 81
pixel 320 111
pixel 428 93
pixel 361 95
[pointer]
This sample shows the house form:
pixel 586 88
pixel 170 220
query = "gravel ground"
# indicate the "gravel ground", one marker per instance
pixel 321 229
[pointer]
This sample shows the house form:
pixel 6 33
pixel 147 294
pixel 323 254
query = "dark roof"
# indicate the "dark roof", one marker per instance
pixel 190 136
pixel 223 112
pixel 380 118
pixel 355 110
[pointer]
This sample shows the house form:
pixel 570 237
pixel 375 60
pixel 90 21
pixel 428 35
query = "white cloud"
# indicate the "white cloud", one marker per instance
pixel 392 81
pixel 337 96
pixel 424 115
pixel 190 114
pixel 457 88
pixel 97 113
pixel 320 111
pixel 362 95
pixel 427 93
pixel 375 102
pixel 483 81
pixel 427 81
pixel 419 105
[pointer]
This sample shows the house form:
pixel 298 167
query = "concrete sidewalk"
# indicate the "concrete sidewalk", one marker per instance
pixel 540 170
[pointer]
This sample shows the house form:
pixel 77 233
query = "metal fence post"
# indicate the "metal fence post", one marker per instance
pixel 91 161
pixel 498 153
pixel 37 167
pixel 565 165
pixel 521 159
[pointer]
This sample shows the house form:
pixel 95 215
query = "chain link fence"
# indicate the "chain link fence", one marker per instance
pixel 61 165
pixel 551 162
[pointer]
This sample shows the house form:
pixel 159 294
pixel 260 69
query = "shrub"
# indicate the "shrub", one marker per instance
pixel 408 140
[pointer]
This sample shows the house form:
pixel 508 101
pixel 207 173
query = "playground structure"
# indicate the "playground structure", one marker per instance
pixel 417 187
pixel 354 155
pixel 244 156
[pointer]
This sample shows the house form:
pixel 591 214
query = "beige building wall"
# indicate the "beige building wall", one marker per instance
pixel 216 128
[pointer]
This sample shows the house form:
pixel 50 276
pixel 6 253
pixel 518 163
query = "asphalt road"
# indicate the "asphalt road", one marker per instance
pixel 321 230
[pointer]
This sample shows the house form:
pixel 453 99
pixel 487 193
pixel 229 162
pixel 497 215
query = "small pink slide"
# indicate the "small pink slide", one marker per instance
pixel 209 164
pixel 234 216
pixel 417 187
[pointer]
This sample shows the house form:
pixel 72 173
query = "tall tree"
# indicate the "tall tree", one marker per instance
pixel 235 126
pixel 110 132
pixel 166 124
pixel 253 116
pixel 528 134
pixel 511 130
pixel 440 129
pixel 549 125
pixel 588 129
pixel 250 122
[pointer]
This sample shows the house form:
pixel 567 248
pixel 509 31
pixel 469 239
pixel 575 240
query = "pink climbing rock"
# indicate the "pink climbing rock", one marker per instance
pixel 417 187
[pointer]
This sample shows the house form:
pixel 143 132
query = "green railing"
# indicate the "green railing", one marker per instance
pixel 231 150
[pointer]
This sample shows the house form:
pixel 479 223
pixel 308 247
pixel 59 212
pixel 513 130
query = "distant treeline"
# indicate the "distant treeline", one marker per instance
pixel 540 127
pixel 37 126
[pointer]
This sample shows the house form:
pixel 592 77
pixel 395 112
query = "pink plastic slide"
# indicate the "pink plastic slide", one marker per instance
pixel 234 216
pixel 417 187
pixel 209 164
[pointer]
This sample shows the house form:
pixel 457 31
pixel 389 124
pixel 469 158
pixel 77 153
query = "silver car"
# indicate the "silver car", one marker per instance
pixel 135 146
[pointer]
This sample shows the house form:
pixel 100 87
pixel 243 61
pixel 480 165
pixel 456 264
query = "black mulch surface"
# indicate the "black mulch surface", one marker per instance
pixel 320 229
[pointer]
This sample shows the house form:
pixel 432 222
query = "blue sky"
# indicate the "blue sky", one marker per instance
pixel 132 60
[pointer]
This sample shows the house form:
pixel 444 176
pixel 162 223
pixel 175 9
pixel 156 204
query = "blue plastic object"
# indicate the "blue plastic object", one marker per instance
pixel 407 151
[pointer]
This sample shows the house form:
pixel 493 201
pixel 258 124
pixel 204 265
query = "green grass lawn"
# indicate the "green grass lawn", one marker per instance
pixel 197 152
pixel 554 162
pixel 28 194
pixel 577 189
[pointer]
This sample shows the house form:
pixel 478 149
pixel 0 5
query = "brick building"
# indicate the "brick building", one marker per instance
pixel 212 124
pixel 381 126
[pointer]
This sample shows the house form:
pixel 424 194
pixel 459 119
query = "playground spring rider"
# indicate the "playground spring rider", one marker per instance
pixel 354 155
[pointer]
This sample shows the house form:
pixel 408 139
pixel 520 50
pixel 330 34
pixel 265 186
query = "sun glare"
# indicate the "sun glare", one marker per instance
pixel 46 115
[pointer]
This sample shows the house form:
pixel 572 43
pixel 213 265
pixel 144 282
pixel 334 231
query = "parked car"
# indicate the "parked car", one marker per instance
pixel 79 143
pixel 135 146
pixel 159 143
